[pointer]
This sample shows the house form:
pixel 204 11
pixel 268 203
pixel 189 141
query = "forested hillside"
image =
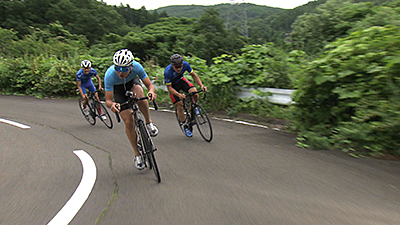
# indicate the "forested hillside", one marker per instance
pixel 341 56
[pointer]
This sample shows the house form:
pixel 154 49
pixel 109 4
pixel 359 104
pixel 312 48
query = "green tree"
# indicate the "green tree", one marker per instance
pixel 332 20
pixel 212 39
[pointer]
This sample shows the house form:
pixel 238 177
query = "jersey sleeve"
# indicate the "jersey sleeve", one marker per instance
pixel 78 77
pixel 187 67
pixel 138 70
pixel 167 77
pixel 94 72
pixel 108 80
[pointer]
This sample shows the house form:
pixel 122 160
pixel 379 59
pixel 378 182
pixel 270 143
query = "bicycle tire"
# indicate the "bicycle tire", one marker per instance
pixel 108 121
pixel 149 149
pixel 203 123
pixel 91 120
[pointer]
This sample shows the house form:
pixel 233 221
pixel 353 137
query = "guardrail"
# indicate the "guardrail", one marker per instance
pixel 277 96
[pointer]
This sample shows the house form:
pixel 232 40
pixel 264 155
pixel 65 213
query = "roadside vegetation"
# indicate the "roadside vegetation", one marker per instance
pixel 341 56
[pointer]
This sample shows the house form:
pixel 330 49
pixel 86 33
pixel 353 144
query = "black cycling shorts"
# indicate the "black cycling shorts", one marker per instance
pixel 120 91
pixel 184 85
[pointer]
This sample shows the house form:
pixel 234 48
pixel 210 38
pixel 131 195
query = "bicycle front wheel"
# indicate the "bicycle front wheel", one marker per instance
pixel 203 123
pixel 87 112
pixel 149 149
pixel 104 115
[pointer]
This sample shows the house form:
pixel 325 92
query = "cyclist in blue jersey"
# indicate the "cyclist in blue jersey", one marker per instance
pixel 127 75
pixel 175 81
pixel 84 81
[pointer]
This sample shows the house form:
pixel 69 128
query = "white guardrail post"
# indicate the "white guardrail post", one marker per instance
pixel 278 96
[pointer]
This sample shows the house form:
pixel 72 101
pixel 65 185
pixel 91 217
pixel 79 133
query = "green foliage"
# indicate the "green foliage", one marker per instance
pixel 260 66
pixel 7 40
pixel 38 76
pixel 337 19
pixel 347 98
pixel 351 96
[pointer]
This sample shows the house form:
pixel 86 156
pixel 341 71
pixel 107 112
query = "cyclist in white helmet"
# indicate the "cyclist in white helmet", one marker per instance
pixel 84 81
pixel 127 75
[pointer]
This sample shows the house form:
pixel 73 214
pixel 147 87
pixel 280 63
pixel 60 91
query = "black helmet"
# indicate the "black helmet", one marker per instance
pixel 176 59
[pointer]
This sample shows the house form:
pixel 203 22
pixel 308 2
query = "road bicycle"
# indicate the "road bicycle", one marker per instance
pixel 146 145
pixel 94 108
pixel 195 115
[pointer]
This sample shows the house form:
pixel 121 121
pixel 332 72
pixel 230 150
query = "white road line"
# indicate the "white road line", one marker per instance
pixel 245 123
pixel 228 120
pixel 71 208
pixel 14 123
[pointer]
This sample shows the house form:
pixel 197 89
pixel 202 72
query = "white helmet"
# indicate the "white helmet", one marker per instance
pixel 123 57
pixel 86 64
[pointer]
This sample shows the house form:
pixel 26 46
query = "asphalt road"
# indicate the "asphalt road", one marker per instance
pixel 246 175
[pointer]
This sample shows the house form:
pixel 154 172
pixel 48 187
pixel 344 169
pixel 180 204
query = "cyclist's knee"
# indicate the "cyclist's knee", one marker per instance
pixel 179 105
pixel 138 90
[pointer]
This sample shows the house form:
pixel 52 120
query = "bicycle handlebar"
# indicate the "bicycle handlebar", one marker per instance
pixel 118 118
pixel 132 99
pixel 190 94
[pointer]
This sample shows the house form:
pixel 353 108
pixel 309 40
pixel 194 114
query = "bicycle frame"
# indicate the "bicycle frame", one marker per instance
pixel 189 113
pixel 145 142
pixel 100 111
pixel 196 115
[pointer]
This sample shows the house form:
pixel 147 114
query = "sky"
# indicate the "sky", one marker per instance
pixel 154 4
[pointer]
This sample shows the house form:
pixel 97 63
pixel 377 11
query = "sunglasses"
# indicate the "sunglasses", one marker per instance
pixel 177 66
pixel 123 69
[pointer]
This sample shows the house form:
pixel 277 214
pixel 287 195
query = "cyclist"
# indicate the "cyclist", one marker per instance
pixel 84 80
pixel 175 81
pixel 127 75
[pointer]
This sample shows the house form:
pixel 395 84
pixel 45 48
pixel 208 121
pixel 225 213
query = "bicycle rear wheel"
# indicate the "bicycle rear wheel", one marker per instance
pixel 103 112
pixel 89 117
pixel 203 123
pixel 149 149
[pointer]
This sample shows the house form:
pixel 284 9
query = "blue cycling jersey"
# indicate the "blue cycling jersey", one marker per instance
pixel 81 76
pixel 111 77
pixel 170 76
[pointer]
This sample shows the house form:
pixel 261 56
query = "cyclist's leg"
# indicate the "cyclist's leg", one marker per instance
pixel 127 117
pixel 130 130
pixel 92 89
pixel 143 105
pixel 189 87
pixel 177 101
pixel 83 88
pixel 179 111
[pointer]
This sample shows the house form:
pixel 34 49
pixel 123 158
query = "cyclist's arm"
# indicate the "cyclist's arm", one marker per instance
pixel 99 80
pixel 80 89
pixel 198 81
pixel 172 90
pixel 109 101
pixel 150 87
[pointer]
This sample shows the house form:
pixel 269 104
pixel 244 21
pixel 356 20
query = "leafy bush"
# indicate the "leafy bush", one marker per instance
pixel 351 96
